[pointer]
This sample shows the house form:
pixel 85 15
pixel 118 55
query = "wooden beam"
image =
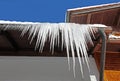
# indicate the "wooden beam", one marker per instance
pixel 88 18
pixel 118 23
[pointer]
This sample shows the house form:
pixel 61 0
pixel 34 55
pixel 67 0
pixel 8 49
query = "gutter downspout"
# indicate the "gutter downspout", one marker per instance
pixel 103 54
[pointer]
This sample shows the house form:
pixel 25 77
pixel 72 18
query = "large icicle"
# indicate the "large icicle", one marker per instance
pixel 73 37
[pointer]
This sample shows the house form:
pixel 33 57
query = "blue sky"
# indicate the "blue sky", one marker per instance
pixel 42 10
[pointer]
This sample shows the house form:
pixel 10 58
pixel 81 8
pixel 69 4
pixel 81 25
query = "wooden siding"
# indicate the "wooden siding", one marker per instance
pixel 109 17
pixel 81 19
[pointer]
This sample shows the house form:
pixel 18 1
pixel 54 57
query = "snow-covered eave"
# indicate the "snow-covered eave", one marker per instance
pixel 96 6
pixel 73 37
pixel 17 22
pixel 38 23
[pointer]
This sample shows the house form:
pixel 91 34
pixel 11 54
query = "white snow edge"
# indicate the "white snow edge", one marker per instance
pixel 93 6
pixel 34 23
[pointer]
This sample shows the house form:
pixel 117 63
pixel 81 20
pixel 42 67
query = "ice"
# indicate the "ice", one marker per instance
pixel 73 37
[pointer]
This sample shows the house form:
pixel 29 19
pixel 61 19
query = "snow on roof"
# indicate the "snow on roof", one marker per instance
pixel 16 22
pixel 118 3
pixel 38 23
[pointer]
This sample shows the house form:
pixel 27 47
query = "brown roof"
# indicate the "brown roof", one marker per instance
pixel 108 14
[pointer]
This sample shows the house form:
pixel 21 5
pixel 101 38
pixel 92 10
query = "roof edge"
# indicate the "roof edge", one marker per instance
pixel 109 4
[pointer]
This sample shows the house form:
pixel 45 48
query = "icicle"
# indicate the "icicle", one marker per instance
pixel 36 28
pixel 25 30
pixel 77 43
pixel 65 37
pixel 73 37
pixel 72 48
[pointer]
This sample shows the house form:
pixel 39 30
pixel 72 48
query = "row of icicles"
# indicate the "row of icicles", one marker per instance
pixel 73 37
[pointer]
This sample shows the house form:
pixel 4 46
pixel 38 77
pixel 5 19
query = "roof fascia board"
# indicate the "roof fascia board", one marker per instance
pixel 94 8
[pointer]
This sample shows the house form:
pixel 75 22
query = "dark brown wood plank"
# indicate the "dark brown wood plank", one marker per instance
pixel 81 19
pixel 89 18
pixel 96 18
pixel 109 17
pixel 112 60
